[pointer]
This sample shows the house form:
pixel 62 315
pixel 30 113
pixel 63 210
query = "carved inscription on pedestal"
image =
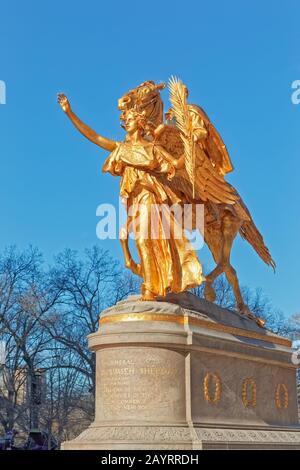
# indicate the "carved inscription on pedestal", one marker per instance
pixel 147 383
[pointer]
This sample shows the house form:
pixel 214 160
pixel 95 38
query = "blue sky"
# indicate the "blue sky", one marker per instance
pixel 238 58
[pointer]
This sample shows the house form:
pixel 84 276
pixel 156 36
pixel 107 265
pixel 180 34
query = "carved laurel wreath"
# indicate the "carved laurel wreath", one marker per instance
pixel 215 379
pixel 249 388
pixel 281 396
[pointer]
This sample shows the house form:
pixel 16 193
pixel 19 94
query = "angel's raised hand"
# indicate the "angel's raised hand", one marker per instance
pixel 63 102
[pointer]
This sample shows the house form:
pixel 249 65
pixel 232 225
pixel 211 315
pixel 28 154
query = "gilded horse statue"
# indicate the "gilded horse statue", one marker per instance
pixel 181 159
pixel 224 219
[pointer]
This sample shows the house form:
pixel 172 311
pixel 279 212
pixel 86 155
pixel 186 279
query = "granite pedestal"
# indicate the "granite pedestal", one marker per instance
pixel 183 373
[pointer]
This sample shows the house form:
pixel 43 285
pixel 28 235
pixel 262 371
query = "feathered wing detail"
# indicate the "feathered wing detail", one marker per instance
pixel 208 184
pixel 213 144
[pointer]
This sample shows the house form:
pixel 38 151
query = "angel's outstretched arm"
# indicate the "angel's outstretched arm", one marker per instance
pixel 89 133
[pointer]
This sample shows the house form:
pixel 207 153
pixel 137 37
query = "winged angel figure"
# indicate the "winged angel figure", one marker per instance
pixel 178 161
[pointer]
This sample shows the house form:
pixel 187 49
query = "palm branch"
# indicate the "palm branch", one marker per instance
pixel 184 124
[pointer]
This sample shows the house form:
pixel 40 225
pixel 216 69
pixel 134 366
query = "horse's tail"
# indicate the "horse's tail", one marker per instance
pixel 249 232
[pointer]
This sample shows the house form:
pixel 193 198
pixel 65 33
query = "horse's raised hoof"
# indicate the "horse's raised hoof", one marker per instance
pixel 260 322
pixel 209 293
pixel 245 310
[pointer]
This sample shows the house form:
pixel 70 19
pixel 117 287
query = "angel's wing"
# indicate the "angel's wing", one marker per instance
pixel 208 184
pixel 200 180
pixel 213 144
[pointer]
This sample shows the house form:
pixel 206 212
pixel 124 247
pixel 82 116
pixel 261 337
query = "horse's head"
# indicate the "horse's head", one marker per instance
pixel 144 98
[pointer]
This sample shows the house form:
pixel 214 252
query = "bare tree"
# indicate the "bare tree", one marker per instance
pixel 67 405
pixel 45 317
pixel 84 286
pixel 44 320
pixel 23 303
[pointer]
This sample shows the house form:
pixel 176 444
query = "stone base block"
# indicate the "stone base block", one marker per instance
pixel 183 373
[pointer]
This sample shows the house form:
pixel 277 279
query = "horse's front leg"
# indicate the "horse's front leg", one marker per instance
pixel 213 238
pixel 220 237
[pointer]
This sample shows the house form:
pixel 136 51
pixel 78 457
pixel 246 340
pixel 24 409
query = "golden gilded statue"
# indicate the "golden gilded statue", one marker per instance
pixel 165 163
